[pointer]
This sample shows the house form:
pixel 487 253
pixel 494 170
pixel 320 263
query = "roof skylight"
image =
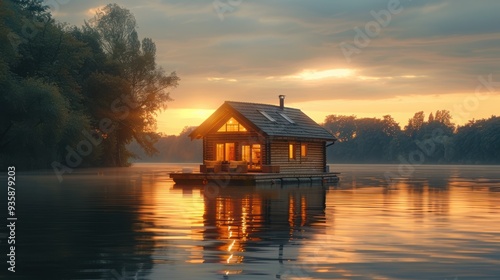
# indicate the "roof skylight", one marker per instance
pixel 265 114
pixel 286 117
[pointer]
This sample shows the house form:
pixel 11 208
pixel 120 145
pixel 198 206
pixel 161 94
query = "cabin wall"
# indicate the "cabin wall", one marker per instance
pixel 313 162
pixel 273 152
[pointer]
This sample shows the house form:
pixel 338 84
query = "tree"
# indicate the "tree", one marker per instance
pixel 32 7
pixel 115 27
pixel 415 123
pixel 36 123
pixel 439 135
pixel 491 139
pixel 146 84
pixel 372 139
pixel 391 127
pixel 444 117
pixel 342 127
pixel 363 140
pixel 60 82
pixel 40 106
pixel 478 141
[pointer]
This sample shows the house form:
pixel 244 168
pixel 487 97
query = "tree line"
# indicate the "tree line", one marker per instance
pixel 76 96
pixel 435 140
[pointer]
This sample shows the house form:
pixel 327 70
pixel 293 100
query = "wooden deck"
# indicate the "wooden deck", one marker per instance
pixel 251 178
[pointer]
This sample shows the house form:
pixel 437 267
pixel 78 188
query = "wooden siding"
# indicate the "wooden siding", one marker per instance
pixel 314 161
pixel 273 152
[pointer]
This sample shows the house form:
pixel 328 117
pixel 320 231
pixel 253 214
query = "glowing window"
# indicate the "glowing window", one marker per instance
pixel 245 153
pixel 230 152
pixel 303 150
pixel 219 152
pixel 225 151
pixel 232 125
pixel 291 151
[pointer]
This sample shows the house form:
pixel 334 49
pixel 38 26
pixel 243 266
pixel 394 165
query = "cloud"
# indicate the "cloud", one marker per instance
pixel 264 48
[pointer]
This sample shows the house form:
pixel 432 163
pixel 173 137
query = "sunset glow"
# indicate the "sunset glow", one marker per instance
pixel 172 121
pixel 401 108
pixel 92 11
pixel 323 74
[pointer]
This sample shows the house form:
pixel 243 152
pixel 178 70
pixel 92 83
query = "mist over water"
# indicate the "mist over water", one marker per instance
pixel 432 222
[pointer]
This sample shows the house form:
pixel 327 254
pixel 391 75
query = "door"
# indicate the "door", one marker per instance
pixel 256 157
pixel 225 151
pixel 252 155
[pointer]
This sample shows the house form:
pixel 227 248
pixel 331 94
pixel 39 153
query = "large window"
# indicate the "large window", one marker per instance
pixel 219 152
pixel 225 151
pixel 252 155
pixel 256 156
pixel 245 153
pixel 232 125
pixel 230 152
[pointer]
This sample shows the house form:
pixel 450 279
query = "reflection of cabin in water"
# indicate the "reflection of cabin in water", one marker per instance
pixel 240 137
pixel 247 225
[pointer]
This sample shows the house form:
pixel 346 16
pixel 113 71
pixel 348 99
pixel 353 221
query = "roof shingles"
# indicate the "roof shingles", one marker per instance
pixel 302 126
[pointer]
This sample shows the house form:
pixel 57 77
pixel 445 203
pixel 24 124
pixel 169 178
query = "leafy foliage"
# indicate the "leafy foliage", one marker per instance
pixel 65 88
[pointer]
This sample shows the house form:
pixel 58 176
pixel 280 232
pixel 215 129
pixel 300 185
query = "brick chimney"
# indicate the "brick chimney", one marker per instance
pixel 282 102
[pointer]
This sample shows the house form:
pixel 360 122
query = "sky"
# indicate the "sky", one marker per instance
pixel 367 58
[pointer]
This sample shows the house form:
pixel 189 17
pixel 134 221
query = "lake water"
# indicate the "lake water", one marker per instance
pixel 426 222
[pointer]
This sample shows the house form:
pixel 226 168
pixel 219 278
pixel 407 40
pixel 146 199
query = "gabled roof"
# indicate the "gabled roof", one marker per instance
pixel 269 120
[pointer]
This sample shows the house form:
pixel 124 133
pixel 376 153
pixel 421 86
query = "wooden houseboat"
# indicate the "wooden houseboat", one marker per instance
pixel 248 142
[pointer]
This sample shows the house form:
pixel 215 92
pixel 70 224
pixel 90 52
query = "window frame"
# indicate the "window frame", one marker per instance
pixel 292 153
pixel 304 150
pixel 235 127
pixel 226 151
